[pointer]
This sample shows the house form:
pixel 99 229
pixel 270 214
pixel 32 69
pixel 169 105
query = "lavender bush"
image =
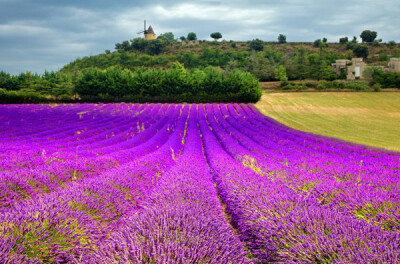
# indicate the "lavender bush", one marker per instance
pixel 188 183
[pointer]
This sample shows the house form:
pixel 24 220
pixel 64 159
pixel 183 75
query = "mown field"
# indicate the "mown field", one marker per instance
pixel 365 118
pixel 188 183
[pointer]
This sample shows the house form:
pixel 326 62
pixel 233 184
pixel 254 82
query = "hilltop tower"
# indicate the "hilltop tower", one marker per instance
pixel 148 33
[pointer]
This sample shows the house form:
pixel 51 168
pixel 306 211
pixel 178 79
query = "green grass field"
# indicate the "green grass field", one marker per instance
pixel 366 118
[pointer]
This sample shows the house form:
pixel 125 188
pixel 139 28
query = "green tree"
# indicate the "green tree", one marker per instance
pixel 368 36
pixel 4 79
pixel 232 65
pixel 281 39
pixel 118 46
pixel 376 42
pixel 391 43
pixel 325 72
pixel 259 66
pixel 216 35
pixel 182 38
pixel 280 73
pixel 257 44
pixel 91 83
pixel 273 55
pixel 317 43
pixel 125 45
pixel 244 84
pixel 156 46
pixel 291 67
pixel 191 36
pixel 189 59
pixel 343 40
pixel 301 63
pixel 324 40
pixel 169 36
pixel 139 44
pixel 384 57
pixel 360 50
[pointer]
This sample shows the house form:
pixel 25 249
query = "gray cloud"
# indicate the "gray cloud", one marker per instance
pixel 44 34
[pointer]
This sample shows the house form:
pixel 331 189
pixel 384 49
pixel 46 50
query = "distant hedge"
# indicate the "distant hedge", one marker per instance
pixel 324 85
pixel 172 85
pixel 22 97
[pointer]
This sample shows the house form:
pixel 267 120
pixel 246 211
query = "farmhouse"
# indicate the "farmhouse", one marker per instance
pixel 356 66
pixel 394 65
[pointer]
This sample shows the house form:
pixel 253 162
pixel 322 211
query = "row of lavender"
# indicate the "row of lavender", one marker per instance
pixel 159 183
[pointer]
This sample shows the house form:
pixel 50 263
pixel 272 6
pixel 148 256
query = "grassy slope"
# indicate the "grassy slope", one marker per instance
pixel 365 118
pixel 374 51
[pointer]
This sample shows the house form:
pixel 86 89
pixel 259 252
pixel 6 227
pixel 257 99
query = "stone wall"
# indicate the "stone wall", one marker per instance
pixel 190 42
pixel 149 36
pixel 394 64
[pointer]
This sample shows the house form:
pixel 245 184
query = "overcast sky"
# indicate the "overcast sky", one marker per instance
pixel 36 35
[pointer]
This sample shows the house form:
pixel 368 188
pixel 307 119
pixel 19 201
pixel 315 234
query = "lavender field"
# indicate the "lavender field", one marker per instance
pixel 188 183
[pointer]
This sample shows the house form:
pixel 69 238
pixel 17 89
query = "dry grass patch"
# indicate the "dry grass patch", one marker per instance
pixel 365 118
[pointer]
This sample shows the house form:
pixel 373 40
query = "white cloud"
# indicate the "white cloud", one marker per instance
pixel 250 16
pixel 43 35
pixel 19 29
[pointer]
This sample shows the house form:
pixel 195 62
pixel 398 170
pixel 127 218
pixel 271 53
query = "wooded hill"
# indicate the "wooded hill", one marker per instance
pixel 301 60
pixel 135 65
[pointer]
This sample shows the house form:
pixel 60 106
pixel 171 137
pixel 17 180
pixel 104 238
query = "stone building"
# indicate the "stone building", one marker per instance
pixel 340 66
pixel 149 34
pixel 394 65
pixel 355 67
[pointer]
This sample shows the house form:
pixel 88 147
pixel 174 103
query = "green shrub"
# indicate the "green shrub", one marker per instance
pixel 245 85
pixel 288 87
pixel 256 44
pixel 322 85
pixel 386 79
pixel 377 87
pixel 22 97
pixel 358 86
pixel 384 57
pixel 301 86
pixel 391 43
pixel 335 84
pixel 310 84
pixel 343 40
pixel 91 82
pixel 174 85
pixel 360 50
pixel 284 83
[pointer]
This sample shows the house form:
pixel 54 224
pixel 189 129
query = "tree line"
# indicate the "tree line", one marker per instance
pixel 197 85
pixel 176 84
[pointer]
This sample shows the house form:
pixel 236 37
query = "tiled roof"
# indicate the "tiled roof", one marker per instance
pixel 150 30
